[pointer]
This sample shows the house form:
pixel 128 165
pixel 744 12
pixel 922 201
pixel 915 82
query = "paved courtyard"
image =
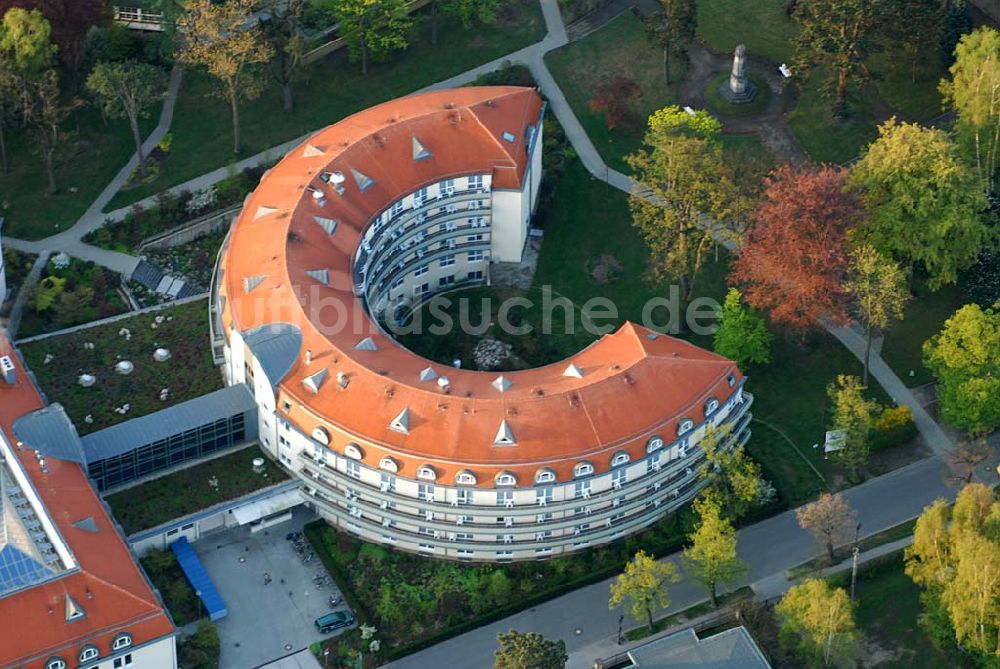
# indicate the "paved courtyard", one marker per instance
pixel 265 622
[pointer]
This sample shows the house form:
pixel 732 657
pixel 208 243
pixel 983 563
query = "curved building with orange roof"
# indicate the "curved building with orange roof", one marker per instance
pixel 353 230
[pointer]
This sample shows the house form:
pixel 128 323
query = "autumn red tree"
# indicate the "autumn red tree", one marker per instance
pixel 796 255
pixel 614 99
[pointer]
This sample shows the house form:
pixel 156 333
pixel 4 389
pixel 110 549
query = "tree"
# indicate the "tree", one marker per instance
pixel 878 287
pixel 795 257
pixel 965 359
pixel 956 22
pixel 25 49
pixel 929 556
pixel 69 20
pixel 126 89
pixel 75 306
pixel 468 11
pixel 614 99
pixel 914 28
pixel 817 624
pixel 644 586
pixel 283 31
pixel 8 102
pixel 974 92
pixel 712 557
pixel 973 595
pixel 967 455
pixel 829 519
pixel 46 113
pixel 924 204
pixel 373 28
pixel 673 27
pixel 742 335
pixel 682 173
pixel 838 35
pixel 730 471
pixel 854 414
pixel 219 38
pixel 528 650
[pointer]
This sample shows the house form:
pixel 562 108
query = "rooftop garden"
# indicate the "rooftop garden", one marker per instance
pixel 192 489
pixel 58 362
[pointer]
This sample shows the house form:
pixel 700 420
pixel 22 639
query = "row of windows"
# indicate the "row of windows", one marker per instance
pixel 90 652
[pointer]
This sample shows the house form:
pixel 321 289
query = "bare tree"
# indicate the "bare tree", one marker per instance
pixel 829 519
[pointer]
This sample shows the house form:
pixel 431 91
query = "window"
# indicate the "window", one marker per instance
pixel 685 425
pixel 286 406
pixel 388 483
pixel 505 498
pixel 543 496
pixel 446 280
pixel 396 210
pixel 353 451
pixel 123 640
pixel 475 256
pixel 711 405
pixel 447 261
pixel 506 478
pixel 475 181
pixel 420 197
pixel 619 477
pixel 543 535
pixel 421 270
pixel 353 468
pixel 543 517
pixel 732 380
pixel 449 226
pixel 475 238
pixel 388 464
pixel 88 653
pixel 427 473
pixel 425 491
pixel 448 186
pixel 581 489
pixel 653 464
pixel 620 458
pixel 421 289
pixel 476 275
pixel 478 222
pixel 55 663
pixel 545 476
pixel 465 478
pixel 583 469
pixel 463 496
pixel 396 283
pixel 654 444
pixel 123 661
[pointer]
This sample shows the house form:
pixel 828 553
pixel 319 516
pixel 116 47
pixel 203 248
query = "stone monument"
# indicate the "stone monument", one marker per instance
pixel 739 89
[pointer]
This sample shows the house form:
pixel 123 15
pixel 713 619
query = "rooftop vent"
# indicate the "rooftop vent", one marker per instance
pixel 509 137
pixel 443 383
pixel 401 423
pixel 315 381
pixel 428 374
pixel 321 275
pixel 573 372
pixel 504 437
pixel 7 372
pixel 379 139
pixel 501 384
pixel 342 380
pixel 73 610
pixel 420 151
pixel 366 344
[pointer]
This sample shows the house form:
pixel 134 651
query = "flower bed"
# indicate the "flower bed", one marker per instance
pixel 59 361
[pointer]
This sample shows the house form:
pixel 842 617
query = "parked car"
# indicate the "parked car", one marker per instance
pixel 334 621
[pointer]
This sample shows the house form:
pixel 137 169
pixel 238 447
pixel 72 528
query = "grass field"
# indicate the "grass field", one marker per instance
pixel 331 89
pixel 188 490
pixel 92 153
pixel 621 48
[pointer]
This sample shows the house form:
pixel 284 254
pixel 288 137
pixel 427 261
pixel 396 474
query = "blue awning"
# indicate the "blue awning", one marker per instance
pixel 199 579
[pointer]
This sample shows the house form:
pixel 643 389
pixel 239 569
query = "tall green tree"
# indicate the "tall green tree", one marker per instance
pixel 25 49
pixel 742 335
pixel 854 414
pixel 817 624
pixel 221 39
pixel 682 178
pixel 913 27
pixel 673 27
pixel 127 89
pixel 373 28
pixel 283 31
pixel 925 206
pixel 643 586
pixel 730 471
pixel 528 650
pixel 837 36
pixel 956 22
pixel 469 12
pixel 928 558
pixel 965 359
pixel 974 93
pixel 711 558
pixel 878 287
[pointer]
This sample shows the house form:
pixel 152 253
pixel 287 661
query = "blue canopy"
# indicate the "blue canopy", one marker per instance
pixel 199 579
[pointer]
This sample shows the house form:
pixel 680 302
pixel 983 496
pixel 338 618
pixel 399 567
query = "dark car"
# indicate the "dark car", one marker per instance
pixel 334 621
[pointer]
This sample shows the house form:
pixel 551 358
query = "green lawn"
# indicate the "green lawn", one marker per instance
pixel 924 318
pixel 722 107
pixel 621 48
pixel 91 155
pixel 188 490
pixel 331 89
pixel 188 374
pixel 761 25
pixel 888 605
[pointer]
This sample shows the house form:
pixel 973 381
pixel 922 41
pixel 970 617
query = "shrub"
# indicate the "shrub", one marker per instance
pixel 894 426
pixel 201 649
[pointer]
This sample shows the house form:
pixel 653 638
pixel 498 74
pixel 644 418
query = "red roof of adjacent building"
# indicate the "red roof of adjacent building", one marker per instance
pixel 107 584
pixel 632 383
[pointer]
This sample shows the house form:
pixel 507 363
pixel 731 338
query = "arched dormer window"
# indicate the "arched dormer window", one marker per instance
pixel 732 380
pixel 506 478
pixel 89 653
pixel 55 663
pixel 685 426
pixel 654 444
pixel 711 405
pixel 321 435
pixel 388 464
pixel 427 473
pixel 465 477
pixel 353 451
pixel 121 641
pixel 619 458
pixel 545 476
pixel 583 469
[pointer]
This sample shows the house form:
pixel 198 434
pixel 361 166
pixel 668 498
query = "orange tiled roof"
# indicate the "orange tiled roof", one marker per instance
pixel 634 383
pixel 107 584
